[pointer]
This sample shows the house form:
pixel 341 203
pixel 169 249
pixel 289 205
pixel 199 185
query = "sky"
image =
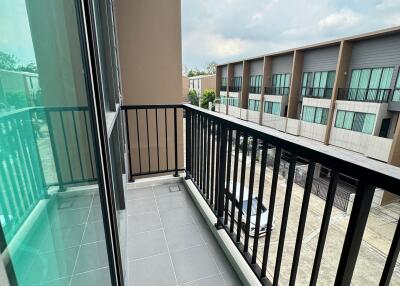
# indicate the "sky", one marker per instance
pixel 227 30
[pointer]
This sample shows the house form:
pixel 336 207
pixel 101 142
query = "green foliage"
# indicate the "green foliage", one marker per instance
pixel 11 63
pixel 16 99
pixel 210 69
pixel 208 96
pixel 193 98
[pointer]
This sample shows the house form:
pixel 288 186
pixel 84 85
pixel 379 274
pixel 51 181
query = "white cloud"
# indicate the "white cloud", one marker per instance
pixel 342 19
pixel 388 4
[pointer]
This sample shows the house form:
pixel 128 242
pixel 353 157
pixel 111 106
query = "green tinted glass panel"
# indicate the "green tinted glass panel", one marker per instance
pixel 276 108
pixel 369 122
pixel 339 119
pixel 348 120
pixel 308 113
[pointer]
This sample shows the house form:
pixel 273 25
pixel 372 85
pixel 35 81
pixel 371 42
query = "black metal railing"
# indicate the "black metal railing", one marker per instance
pixel 364 94
pixel 276 90
pixel 152 138
pixel 316 92
pixel 235 88
pixel 223 88
pixel 255 89
pixel 36 143
pixel 214 143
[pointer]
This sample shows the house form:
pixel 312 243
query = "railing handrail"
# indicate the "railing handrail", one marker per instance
pixel 275 90
pixel 376 173
pixel 343 94
pixel 310 92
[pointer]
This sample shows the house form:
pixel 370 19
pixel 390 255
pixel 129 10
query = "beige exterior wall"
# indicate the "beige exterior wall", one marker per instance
pixel 152 74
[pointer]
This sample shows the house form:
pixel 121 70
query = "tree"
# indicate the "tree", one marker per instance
pixel 208 96
pixel 7 61
pixel 193 98
pixel 211 68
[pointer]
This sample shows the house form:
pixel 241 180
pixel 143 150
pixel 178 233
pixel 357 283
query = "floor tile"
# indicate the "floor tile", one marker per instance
pixel 193 264
pixel 146 244
pixel 94 232
pixel 92 256
pixel 62 238
pixel 168 189
pixel 183 237
pixel 67 218
pixel 135 194
pixel 141 206
pixel 51 266
pixel 175 201
pixel 152 271
pixel 219 257
pixel 95 213
pixel 209 281
pixel 176 217
pixel 231 279
pixel 143 222
pixel 99 277
pixel 74 202
pixel 58 282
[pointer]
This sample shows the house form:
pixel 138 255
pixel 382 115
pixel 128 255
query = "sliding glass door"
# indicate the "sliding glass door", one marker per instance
pixel 61 169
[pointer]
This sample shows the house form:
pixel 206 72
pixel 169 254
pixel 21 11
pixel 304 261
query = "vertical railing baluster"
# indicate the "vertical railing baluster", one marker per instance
pixel 285 215
pixel 77 144
pixel 176 142
pixel 90 149
pixel 242 183
pixel 355 231
pixel 234 184
pixel 128 141
pixel 201 187
pixel 324 226
pixel 138 141
pixel 250 195
pixel 260 198
pixel 188 131
pixel 302 221
pixel 274 184
pixel 55 153
pixel 217 166
pixel 158 144
pixel 391 258
pixel 166 137
pixel 148 140
pixel 204 154
pixel 221 180
pixel 228 177
pixel 66 146
pixel 212 189
pixel 208 158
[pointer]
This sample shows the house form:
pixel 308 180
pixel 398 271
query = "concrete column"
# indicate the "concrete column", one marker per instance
pixel 295 84
pixel 229 82
pixel 218 81
pixel 267 75
pixel 342 68
pixel 244 95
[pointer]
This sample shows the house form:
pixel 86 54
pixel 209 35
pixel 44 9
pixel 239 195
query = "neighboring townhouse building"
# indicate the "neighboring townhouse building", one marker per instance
pixel 185 88
pixel 201 83
pixel 344 92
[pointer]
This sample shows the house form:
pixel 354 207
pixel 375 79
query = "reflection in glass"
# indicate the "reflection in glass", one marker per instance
pixel 51 220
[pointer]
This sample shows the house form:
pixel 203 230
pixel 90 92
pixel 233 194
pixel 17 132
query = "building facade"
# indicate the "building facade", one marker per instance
pixel 201 83
pixel 344 92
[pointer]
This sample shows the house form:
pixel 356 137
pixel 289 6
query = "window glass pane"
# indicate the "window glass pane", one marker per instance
pixel 348 120
pixel 324 77
pixel 355 79
pixel 358 121
pixel 339 119
pixel 317 78
pixel 363 84
pixel 331 79
pixel 324 118
pixel 374 83
pixel 276 108
pixel 318 115
pixel 369 123
pixel 287 80
pixel 308 113
pixel 305 79
pixel 386 80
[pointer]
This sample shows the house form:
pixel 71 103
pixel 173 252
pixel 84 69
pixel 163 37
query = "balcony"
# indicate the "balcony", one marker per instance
pixel 251 204
pixel 255 89
pixel 261 190
pixel 235 88
pixel 374 95
pixel 276 90
pixel 313 92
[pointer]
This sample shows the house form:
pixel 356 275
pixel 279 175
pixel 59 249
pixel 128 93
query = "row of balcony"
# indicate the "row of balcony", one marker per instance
pixel 351 94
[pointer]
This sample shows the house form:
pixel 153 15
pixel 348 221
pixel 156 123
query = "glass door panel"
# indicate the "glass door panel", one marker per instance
pixel 52 223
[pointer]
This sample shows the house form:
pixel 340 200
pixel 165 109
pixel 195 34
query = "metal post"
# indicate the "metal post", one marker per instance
pixel 221 179
pixel 188 141
pixel 176 144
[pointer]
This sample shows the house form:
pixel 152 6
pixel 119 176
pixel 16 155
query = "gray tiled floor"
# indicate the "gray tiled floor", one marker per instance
pixel 169 243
